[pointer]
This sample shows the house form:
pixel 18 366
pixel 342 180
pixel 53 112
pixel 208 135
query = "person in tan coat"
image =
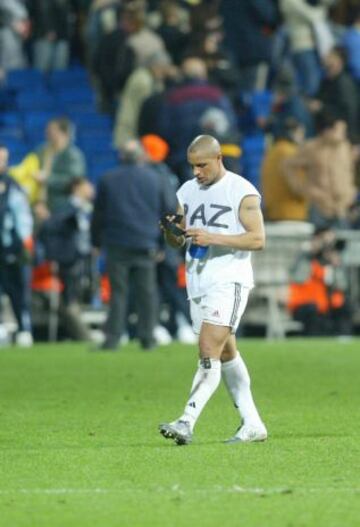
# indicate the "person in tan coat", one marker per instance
pixel 281 202
pixel 143 82
pixel 329 166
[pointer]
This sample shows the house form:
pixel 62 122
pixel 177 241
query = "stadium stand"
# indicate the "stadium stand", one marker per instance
pixel 29 98
pixel 67 93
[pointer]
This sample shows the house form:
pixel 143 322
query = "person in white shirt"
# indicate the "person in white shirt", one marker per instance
pixel 221 223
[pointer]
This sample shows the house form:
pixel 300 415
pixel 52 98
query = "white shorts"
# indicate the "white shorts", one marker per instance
pixel 223 306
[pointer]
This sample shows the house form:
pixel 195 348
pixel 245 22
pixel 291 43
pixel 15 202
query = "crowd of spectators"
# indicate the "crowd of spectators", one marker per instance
pixel 276 81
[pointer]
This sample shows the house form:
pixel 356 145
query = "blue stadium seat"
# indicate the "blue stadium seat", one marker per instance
pixel 7 99
pixel 10 119
pixel 76 96
pixel 108 158
pixel 95 144
pixel 70 77
pixel 253 147
pixel 96 170
pixel 36 137
pixel 42 100
pixel 25 80
pixel 17 148
pixel 253 143
pixel 35 125
pixel 255 105
pixel 11 124
pixel 73 84
pixel 38 119
pixel 12 142
pixel 72 107
pixel 17 156
pixel 91 120
pixel 261 103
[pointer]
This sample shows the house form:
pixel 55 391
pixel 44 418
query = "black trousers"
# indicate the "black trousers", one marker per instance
pixel 70 310
pixel 15 282
pixel 336 322
pixel 136 268
pixel 70 275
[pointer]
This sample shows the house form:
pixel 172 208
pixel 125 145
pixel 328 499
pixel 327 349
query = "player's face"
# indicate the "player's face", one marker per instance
pixel 206 169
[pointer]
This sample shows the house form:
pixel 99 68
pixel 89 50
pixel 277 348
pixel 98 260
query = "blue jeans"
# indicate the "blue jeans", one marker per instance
pixel 308 70
pixel 51 55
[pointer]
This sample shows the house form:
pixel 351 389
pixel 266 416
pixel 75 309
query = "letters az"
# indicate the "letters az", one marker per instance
pixel 199 214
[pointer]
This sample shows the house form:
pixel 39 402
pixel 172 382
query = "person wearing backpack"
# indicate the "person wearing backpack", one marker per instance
pixel 16 242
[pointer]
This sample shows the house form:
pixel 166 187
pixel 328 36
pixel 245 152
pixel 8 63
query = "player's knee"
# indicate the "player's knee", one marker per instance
pixel 207 348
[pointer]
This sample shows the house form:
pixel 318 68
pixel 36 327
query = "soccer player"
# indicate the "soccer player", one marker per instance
pixel 221 217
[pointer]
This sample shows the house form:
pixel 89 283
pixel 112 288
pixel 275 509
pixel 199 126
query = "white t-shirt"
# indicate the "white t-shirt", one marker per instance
pixel 215 208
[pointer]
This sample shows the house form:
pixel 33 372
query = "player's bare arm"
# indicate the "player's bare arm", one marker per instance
pixel 253 239
pixel 170 238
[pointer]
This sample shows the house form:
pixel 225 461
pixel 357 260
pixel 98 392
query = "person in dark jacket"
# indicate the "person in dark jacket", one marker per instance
pixel 129 203
pixel 338 93
pixel 249 28
pixel 15 249
pixel 170 261
pixel 185 105
pixel 113 61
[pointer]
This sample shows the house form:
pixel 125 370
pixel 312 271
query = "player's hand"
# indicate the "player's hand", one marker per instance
pixel 170 223
pixel 170 218
pixel 199 236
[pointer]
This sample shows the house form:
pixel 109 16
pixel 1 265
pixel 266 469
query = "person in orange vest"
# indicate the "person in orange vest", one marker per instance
pixel 318 290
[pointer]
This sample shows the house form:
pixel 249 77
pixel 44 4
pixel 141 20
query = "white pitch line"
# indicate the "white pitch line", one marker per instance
pixel 235 489
pixel 54 491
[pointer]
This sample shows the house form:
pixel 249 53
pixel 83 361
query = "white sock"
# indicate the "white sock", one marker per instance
pixel 237 381
pixel 206 380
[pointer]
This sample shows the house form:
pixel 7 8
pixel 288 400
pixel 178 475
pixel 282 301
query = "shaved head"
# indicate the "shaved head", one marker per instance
pixel 204 156
pixel 205 145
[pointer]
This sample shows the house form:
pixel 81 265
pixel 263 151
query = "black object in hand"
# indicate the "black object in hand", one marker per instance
pixel 170 225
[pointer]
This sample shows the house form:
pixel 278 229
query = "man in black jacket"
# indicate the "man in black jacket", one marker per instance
pixel 338 93
pixel 129 203
pixel 249 28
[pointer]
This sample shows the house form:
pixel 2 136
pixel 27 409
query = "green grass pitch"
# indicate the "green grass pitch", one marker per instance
pixel 79 444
